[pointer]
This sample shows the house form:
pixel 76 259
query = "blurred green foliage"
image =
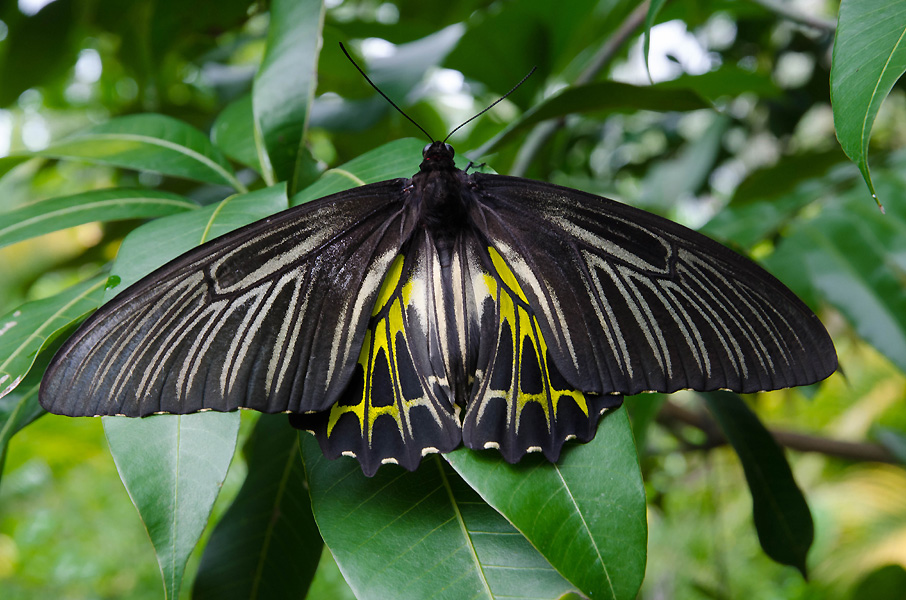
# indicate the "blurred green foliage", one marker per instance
pixel 736 136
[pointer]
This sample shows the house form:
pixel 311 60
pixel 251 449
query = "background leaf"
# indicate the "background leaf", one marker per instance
pixel 285 87
pixel 99 205
pixel 26 329
pixel 149 142
pixel 851 255
pixel 782 517
pixel 234 133
pixel 267 544
pixel 173 467
pixel 869 58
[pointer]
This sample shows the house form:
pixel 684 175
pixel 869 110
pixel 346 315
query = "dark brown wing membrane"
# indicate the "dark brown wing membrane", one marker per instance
pixel 631 302
pixel 270 316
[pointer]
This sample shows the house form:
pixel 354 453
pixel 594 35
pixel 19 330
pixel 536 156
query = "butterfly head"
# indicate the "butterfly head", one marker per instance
pixel 437 156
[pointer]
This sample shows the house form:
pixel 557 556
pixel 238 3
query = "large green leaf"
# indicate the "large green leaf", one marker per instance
pixel 58 213
pixel 149 142
pixel 27 328
pixel 782 517
pixel 419 535
pixel 267 544
pixel 20 407
pixel 851 256
pixel 585 514
pixel 234 132
pixel 285 86
pixel 162 240
pixel 173 467
pixel 869 57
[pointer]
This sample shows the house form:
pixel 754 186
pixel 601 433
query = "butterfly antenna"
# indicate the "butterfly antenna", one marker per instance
pixel 498 101
pixel 392 103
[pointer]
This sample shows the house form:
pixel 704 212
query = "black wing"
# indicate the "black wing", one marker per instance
pixel 270 317
pixel 629 302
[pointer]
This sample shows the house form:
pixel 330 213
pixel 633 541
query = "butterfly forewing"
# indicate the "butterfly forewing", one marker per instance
pixel 631 302
pixel 269 317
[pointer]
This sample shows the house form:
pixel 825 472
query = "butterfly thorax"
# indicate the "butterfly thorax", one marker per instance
pixel 437 193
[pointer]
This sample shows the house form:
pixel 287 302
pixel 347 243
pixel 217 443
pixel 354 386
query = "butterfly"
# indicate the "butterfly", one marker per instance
pixel 410 316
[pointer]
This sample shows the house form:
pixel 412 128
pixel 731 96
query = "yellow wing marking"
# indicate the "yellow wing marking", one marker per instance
pixel 382 340
pixel 523 326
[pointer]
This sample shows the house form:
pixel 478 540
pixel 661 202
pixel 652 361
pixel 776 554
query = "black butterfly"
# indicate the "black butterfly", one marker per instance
pixel 404 317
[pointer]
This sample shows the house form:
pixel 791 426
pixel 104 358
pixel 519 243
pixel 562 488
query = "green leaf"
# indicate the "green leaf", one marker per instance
pixel 173 467
pixel 419 535
pixel 888 581
pixel 869 57
pixel 851 256
pixel 234 132
pixel 285 85
pixel 58 213
pixel 586 514
pixel 149 142
pixel 783 177
pixel 27 328
pixel 20 407
pixel 643 408
pixel 155 243
pixel 267 544
pixel 782 517
pixel 600 97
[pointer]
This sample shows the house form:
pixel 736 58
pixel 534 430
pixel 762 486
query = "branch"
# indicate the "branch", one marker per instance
pixel 671 414
pixel 791 14
pixel 544 131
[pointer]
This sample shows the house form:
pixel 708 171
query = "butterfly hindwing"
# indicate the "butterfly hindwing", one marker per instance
pixel 631 302
pixel 521 402
pixel 270 317
pixel 396 408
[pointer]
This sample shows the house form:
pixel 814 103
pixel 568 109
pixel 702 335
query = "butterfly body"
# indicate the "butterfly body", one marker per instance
pixel 409 316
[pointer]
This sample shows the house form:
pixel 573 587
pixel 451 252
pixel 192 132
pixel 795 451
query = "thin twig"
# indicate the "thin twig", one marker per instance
pixel 671 414
pixel 783 9
pixel 543 132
